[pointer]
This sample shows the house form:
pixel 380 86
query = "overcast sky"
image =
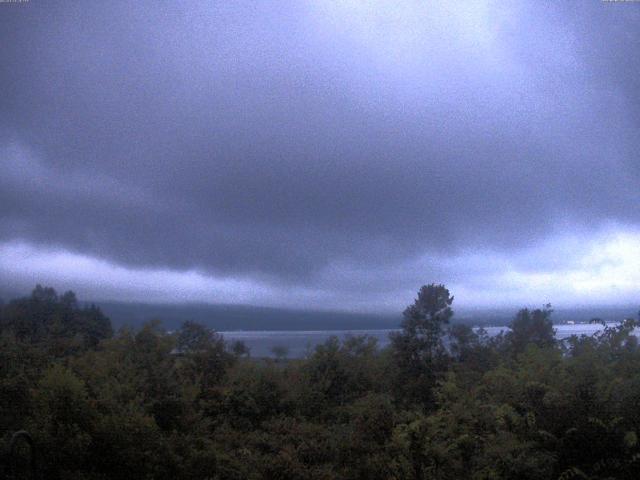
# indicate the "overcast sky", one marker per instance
pixel 322 154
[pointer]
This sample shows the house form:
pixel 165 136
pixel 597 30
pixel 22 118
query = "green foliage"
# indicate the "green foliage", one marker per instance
pixel 442 402
pixel 531 327
pixel 418 350
pixel 55 321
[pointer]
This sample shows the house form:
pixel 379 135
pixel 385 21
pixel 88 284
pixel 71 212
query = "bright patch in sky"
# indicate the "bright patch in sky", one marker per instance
pixel 93 278
pixel 607 273
pixel 571 271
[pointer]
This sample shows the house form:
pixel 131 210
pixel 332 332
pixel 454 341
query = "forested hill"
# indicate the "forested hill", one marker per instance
pixel 439 402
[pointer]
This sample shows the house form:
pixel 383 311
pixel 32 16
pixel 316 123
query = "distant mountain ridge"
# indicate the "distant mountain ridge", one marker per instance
pixel 246 317
pixel 225 317
pixel 243 317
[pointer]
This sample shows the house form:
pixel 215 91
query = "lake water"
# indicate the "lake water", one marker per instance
pixel 300 343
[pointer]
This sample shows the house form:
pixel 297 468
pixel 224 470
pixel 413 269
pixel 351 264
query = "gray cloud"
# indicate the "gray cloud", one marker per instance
pixel 294 142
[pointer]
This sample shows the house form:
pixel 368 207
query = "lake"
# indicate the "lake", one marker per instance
pixel 300 343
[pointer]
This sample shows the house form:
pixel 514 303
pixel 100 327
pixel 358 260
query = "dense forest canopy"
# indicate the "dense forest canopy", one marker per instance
pixel 441 402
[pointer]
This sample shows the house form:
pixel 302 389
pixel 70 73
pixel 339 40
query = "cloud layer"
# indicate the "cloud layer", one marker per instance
pixel 347 150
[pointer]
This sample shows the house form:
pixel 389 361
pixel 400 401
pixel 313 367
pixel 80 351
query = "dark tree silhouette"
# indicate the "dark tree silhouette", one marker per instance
pixel 418 349
pixel 532 327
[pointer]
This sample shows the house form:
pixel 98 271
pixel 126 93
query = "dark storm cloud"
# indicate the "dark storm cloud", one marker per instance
pixel 280 139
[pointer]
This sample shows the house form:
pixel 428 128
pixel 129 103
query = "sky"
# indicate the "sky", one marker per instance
pixel 322 154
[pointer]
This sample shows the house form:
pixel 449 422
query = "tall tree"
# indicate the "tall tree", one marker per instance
pixel 205 354
pixel 532 327
pixel 418 350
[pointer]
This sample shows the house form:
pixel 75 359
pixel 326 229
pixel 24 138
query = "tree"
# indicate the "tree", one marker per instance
pixel 281 352
pixel 418 349
pixel 532 327
pixel 62 422
pixel 205 353
pixel 240 349
pixel 194 337
pixel 58 321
